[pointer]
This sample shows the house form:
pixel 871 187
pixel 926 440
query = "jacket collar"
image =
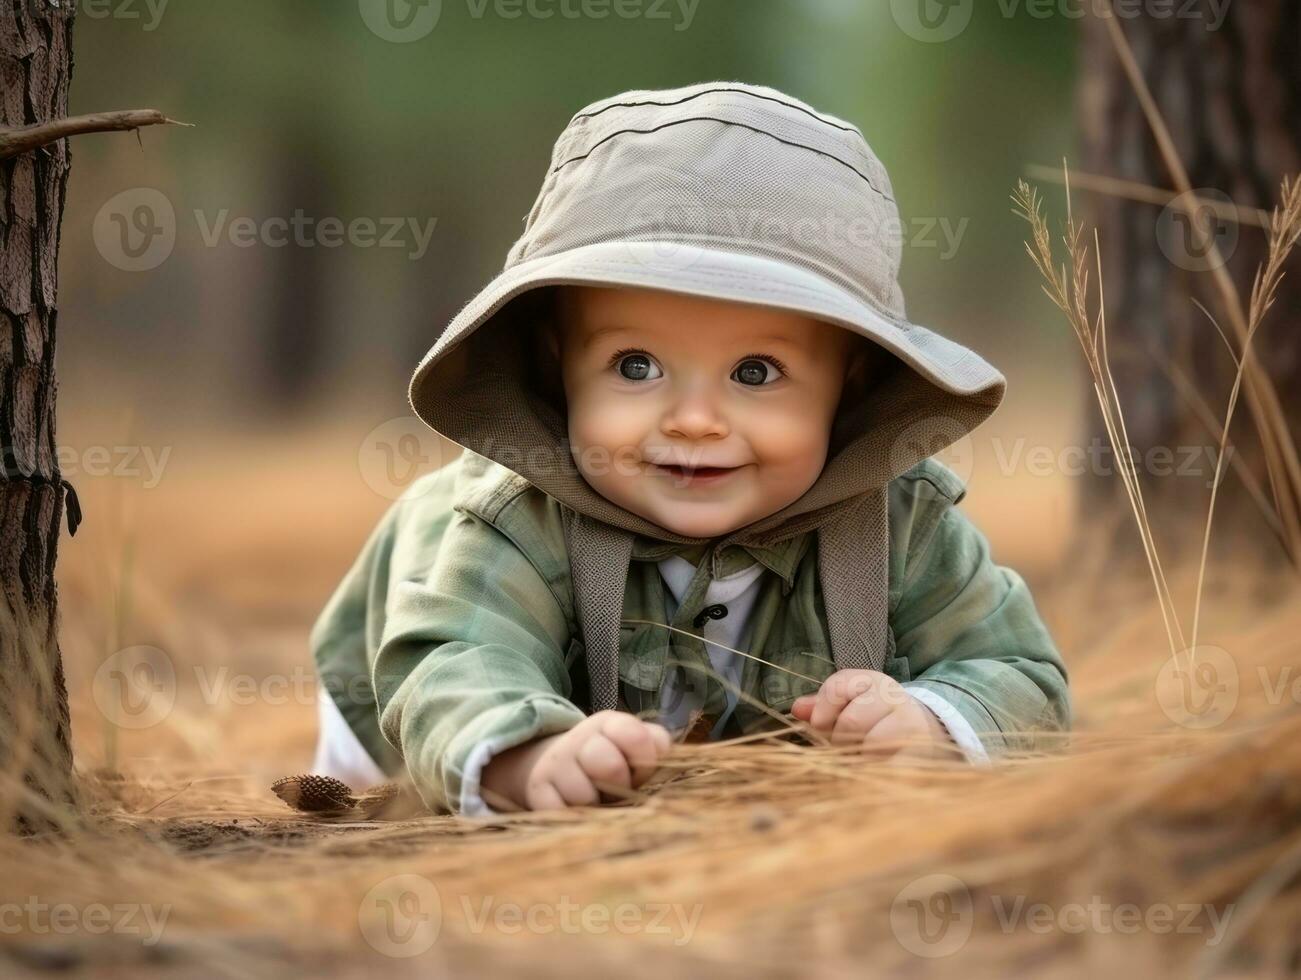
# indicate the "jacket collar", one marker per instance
pixel 782 557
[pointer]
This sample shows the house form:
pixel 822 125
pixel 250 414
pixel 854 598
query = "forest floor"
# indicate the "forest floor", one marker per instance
pixel 1164 837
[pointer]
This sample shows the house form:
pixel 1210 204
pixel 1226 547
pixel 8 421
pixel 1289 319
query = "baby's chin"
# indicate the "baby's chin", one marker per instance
pixel 694 520
pixel 702 528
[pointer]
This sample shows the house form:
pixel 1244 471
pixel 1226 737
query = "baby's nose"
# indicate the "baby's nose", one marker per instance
pixel 695 415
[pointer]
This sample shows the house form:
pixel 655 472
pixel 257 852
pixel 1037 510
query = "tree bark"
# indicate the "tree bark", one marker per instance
pixel 35 748
pixel 1231 96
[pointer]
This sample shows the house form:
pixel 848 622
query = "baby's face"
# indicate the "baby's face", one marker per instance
pixel 700 415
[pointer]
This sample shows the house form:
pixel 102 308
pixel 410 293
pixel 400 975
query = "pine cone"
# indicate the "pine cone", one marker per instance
pixel 311 793
pixel 380 801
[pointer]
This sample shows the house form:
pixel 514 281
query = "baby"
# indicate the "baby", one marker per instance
pixel 696 497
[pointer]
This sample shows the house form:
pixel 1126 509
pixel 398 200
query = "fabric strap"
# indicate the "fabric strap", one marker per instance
pixel 853 567
pixel 599 556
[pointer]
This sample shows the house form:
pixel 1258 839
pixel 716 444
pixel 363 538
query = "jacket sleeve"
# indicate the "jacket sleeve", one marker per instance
pixel 473 653
pixel 972 636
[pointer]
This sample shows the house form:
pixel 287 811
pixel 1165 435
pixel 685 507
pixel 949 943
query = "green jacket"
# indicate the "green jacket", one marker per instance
pixel 456 625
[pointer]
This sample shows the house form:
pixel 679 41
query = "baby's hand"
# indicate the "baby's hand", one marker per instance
pixel 872 710
pixel 607 749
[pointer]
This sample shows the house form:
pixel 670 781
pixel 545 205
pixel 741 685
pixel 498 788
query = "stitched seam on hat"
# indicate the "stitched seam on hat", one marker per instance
pixel 725 122
pixel 710 91
pixel 760 250
pixel 759 284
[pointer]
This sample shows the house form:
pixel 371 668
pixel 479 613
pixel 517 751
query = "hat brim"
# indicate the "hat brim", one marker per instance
pixel 719 274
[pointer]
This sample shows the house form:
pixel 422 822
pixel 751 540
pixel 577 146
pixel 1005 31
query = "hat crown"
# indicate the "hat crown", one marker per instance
pixel 722 165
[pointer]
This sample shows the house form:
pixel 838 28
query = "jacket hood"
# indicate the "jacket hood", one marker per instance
pixel 489 392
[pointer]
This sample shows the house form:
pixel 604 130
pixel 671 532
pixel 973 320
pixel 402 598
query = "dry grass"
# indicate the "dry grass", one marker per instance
pixel 767 858
pixel 1282 459
pixel 1068 288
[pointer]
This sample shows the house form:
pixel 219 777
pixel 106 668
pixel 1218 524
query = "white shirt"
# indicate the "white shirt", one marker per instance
pixel 340 754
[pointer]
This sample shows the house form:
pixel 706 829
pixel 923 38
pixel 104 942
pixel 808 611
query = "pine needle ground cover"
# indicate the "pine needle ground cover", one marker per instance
pixel 1164 834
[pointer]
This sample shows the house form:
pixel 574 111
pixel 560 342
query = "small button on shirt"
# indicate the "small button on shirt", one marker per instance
pixel 736 593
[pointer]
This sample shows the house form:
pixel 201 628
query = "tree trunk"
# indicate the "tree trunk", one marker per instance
pixel 292 343
pixel 35 67
pixel 1231 95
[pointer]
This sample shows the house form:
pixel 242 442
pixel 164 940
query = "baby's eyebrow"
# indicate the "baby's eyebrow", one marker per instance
pixel 791 343
pixel 600 332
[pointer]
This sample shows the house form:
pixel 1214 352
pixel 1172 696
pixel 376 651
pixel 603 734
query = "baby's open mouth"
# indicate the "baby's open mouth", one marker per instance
pixel 695 474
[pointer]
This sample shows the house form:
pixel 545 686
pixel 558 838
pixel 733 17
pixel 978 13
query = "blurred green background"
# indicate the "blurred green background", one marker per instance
pixel 299 105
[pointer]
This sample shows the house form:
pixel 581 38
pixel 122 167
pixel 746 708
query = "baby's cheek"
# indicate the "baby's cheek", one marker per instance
pixel 605 423
pixel 796 441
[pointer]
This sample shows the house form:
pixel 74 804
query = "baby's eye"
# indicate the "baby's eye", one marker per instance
pixel 755 371
pixel 638 367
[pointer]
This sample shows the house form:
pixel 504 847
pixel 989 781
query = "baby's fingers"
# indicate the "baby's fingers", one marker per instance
pixel 802 707
pixel 861 717
pixel 542 795
pixel 574 785
pixel 661 737
pixel 897 730
pixel 838 690
pixel 604 763
pixel 640 743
